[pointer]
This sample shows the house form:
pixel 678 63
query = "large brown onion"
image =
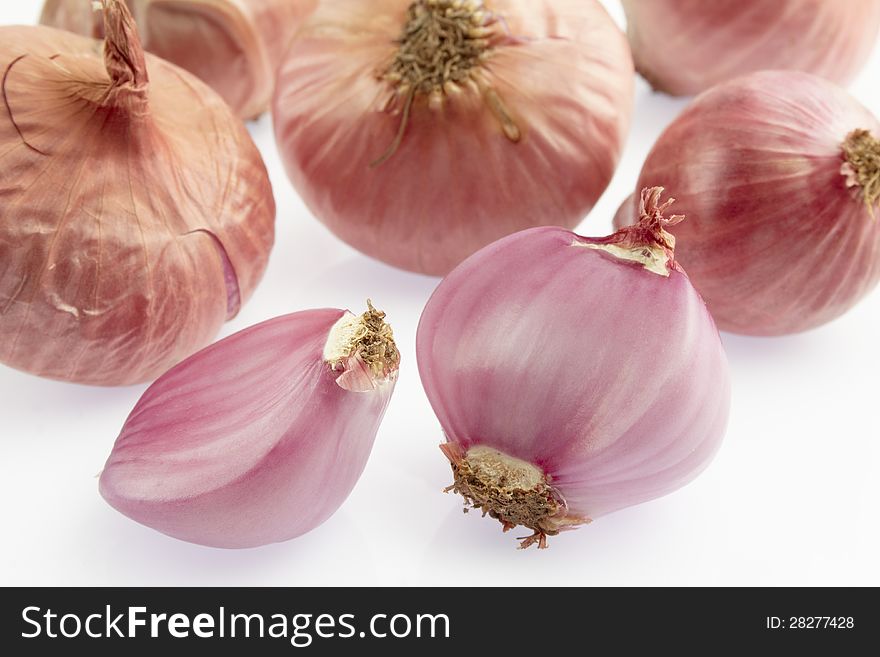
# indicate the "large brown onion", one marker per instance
pixel 233 45
pixel 686 46
pixel 135 213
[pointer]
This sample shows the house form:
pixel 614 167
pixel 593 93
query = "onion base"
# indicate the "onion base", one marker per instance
pixel 861 152
pixel 511 490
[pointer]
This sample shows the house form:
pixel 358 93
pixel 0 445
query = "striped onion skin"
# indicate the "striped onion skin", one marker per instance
pixel 136 213
pixel 608 378
pixel 778 238
pixel 253 440
pixel 684 47
pixel 233 46
pixel 531 136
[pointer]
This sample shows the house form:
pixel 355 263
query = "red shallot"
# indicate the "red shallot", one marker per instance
pixel 136 214
pixel 573 376
pixel 420 131
pixel 778 174
pixel 234 46
pixel 686 46
pixel 260 437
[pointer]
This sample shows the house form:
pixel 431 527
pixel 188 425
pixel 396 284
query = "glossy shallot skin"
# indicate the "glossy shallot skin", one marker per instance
pixel 461 176
pixel 136 214
pixel 777 240
pixel 609 378
pixel 684 47
pixel 251 441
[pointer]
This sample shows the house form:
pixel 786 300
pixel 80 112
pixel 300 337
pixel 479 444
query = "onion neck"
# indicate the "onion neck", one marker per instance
pixel 124 58
pixel 861 152
pixel 647 242
pixel 511 490
pixel 440 50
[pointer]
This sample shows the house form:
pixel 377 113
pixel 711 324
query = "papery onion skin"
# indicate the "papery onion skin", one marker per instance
pixel 232 45
pixel 609 378
pixel 457 181
pixel 775 240
pixel 248 442
pixel 135 215
pixel 684 47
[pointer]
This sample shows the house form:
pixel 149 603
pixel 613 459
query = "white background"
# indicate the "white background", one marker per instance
pixel 793 498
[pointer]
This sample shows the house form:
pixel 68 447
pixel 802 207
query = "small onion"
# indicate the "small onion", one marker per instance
pixel 260 437
pixel 232 45
pixel 420 131
pixel 136 214
pixel 573 376
pixel 778 174
pixel 683 47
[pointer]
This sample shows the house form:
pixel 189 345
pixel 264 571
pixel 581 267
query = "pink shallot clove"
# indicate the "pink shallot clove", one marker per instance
pixel 260 437
pixel 573 376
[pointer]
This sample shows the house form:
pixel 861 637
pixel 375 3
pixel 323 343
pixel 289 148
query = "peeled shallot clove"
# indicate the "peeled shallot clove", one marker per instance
pixel 260 437
pixel 573 376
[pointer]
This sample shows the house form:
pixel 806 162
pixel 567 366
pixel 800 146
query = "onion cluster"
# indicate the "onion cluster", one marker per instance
pixel 571 376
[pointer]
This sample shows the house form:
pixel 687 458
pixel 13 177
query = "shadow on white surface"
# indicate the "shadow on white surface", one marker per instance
pixel 600 553
pixel 360 278
pixel 134 553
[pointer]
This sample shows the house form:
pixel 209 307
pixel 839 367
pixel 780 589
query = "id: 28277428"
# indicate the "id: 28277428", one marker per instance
pixel 810 623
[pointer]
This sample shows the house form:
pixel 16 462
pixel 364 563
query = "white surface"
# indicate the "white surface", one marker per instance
pixel 792 498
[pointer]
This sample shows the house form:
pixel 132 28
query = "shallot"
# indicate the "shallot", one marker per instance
pixel 420 131
pixel 686 46
pixel 260 437
pixel 778 174
pixel 136 214
pixel 234 46
pixel 572 376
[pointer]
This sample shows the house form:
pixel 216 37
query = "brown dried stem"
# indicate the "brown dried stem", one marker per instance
pixel 123 53
pixel 442 43
pixel 376 344
pixel 862 153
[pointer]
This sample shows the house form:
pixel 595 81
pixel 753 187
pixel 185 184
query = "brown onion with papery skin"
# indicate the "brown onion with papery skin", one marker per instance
pixel 778 173
pixel 683 47
pixel 136 214
pixel 419 132
pixel 235 46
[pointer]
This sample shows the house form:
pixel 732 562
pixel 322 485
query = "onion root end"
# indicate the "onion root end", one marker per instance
pixel 511 490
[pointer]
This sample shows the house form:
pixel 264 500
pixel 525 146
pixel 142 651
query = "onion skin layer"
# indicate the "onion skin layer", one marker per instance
pixel 456 183
pixel 234 46
pixel 248 442
pixel 775 241
pixel 125 208
pixel 609 378
pixel 684 47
